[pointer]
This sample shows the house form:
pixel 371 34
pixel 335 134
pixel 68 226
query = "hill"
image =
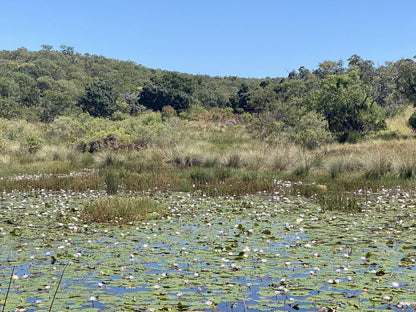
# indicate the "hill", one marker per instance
pixel 342 102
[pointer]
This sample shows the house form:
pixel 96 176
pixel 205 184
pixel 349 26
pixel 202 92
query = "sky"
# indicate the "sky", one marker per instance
pixel 253 39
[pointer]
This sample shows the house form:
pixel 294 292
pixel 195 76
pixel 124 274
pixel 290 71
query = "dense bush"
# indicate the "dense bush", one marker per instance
pixel 412 122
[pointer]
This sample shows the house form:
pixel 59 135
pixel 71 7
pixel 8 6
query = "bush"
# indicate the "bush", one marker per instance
pixel 33 143
pixel 311 131
pixel 412 122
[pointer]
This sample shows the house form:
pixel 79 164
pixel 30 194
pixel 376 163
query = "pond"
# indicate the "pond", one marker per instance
pixel 254 253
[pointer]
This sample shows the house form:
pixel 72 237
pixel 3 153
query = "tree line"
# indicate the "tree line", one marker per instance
pixel 335 100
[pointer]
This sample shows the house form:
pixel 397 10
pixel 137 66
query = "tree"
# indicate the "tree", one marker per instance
pixel 241 100
pixel 406 80
pixel 46 47
pixel 347 106
pixel 167 89
pixel 329 68
pixel 100 99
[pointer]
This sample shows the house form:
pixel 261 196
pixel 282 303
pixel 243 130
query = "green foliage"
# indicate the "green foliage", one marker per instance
pixel 167 89
pixel 111 179
pixel 412 121
pixel 311 131
pixel 50 84
pixel 201 175
pixel 120 210
pixel 347 105
pixel 99 99
pixel 338 202
pixel 33 143
pixel 406 81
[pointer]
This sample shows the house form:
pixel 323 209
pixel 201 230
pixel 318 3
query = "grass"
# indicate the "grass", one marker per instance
pixel 121 210
pixel 338 202
pixel 214 157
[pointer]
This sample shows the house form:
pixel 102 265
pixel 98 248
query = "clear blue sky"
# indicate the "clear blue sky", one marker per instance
pixel 257 38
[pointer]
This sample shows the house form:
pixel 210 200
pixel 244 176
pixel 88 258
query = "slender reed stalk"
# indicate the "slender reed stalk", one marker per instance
pixel 57 287
pixel 8 289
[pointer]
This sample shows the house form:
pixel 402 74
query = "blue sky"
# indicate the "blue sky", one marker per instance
pixel 258 38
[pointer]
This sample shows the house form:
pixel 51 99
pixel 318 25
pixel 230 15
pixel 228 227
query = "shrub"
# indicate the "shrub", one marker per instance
pixel 311 131
pixel 412 121
pixel 168 112
pixel 33 143
pixel 120 210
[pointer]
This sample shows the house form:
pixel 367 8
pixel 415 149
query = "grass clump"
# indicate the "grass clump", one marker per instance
pixel 338 202
pixel 111 179
pixel 234 161
pixel 406 169
pixel 201 176
pixel 340 165
pixel 377 166
pixel 120 210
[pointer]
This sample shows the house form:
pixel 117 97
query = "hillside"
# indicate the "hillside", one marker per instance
pixel 309 107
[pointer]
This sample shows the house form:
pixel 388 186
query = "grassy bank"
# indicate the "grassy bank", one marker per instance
pixel 220 158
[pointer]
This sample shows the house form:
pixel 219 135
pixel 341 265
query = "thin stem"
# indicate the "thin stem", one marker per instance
pixel 8 289
pixel 57 287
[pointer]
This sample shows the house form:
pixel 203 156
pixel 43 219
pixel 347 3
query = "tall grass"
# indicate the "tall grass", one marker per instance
pixel 121 210
pixel 339 202
pixel 377 165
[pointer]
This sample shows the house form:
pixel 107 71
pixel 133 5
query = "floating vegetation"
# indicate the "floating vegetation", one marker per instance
pixel 264 252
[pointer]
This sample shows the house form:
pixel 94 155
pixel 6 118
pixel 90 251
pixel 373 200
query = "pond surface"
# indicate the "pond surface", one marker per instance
pixel 256 253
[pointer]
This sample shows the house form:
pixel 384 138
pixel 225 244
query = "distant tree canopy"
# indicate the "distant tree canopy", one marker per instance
pixel 170 89
pixel 99 99
pixel 349 101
